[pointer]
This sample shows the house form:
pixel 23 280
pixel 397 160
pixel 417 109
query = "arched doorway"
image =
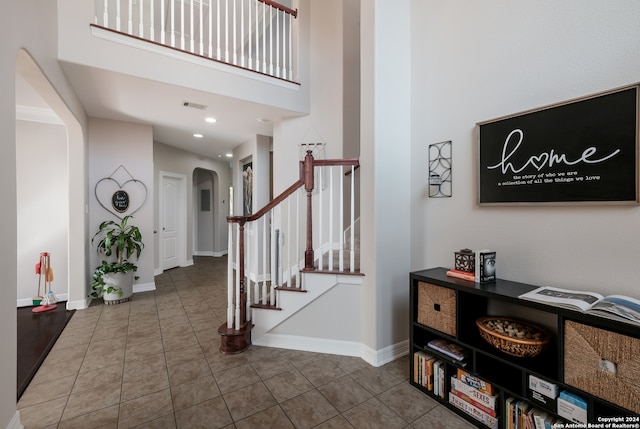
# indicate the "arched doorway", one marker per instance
pixel 52 191
pixel 206 213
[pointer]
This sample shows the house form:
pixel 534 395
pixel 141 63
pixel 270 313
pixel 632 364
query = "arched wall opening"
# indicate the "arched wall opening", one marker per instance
pixel 52 193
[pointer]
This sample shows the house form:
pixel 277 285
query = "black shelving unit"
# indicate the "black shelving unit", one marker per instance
pixel 509 375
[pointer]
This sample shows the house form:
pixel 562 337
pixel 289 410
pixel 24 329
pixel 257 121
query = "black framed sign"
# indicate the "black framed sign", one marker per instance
pixel 580 151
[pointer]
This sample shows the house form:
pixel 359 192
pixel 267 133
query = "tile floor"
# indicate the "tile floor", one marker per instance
pixel 154 363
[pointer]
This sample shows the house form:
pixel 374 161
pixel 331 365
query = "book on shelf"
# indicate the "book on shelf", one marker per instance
pixel 423 369
pixel 485 265
pixel 438 378
pixel 617 307
pixel 475 382
pixel 487 401
pixel 464 275
pixel 468 394
pixel 474 412
pixel 572 407
pixel 450 349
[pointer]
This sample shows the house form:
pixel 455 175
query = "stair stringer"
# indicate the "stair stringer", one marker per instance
pixel 290 303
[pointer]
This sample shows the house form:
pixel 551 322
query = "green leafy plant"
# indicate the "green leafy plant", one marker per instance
pixel 98 284
pixel 119 240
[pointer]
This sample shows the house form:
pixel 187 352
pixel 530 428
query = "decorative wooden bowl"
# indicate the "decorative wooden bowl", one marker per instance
pixel 514 337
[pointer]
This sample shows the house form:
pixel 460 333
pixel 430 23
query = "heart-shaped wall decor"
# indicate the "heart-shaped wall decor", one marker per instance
pixel 121 198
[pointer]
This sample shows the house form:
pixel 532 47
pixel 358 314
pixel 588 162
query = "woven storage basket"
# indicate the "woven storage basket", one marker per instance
pixel 590 355
pixel 437 307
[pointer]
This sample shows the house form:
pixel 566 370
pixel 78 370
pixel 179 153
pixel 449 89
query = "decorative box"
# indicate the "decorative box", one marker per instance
pixel 603 363
pixel 465 260
pixel 437 307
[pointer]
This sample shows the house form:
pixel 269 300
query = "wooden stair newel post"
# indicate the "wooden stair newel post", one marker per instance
pixel 308 186
pixel 232 340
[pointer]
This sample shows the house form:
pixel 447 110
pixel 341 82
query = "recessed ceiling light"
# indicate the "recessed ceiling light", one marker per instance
pixel 198 136
pixel 263 120
pixel 210 120
pixel 229 155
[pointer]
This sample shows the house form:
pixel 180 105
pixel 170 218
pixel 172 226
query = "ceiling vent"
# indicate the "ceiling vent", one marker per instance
pixel 194 105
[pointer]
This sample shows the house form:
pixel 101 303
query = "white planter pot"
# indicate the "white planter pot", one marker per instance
pixel 123 281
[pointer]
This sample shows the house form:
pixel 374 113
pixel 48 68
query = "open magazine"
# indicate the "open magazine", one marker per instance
pixel 613 306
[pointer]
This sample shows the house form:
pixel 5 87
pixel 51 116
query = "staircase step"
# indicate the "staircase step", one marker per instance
pixel 265 306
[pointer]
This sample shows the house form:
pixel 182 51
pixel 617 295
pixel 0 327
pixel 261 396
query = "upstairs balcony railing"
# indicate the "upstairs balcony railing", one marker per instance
pixel 257 35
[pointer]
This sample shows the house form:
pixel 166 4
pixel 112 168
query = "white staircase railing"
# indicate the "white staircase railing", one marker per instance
pixel 309 227
pixel 254 34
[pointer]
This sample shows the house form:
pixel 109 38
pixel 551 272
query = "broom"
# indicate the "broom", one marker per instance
pixel 38 298
pixel 49 300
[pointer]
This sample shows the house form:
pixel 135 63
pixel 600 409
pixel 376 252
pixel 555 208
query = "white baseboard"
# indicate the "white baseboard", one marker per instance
pixel 79 304
pixel 335 347
pixel 386 354
pixel 27 302
pixel 144 287
pixel 15 422
pixel 203 253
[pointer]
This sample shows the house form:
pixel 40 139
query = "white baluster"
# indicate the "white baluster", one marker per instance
pixel 141 21
pixel 278 13
pixel 210 31
pixel 130 18
pixel 331 216
pixel 290 50
pixel 341 222
pixel 251 25
pixel 264 38
pixel 237 291
pixel 297 224
pixel 235 33
pixel 352 253
pixel 105 14
pixel 256 31
pixel 271 40
pixel 320 218
pixel 230 277
pixel 289 243
pixel 152 22
pixel 191 28
pixel 266 296
pixel 242 61
pixel 118 21
pixel 226 31
pixel 162 26
pixel 182 24
pixel 173 23
pixel 219 50
pixel 201 28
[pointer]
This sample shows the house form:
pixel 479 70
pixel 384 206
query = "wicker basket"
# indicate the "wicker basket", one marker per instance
pixel 603 363
pixel 533 341
pixel 437 307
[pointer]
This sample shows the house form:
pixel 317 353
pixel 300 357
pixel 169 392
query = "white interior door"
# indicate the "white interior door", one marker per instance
pixel 172 228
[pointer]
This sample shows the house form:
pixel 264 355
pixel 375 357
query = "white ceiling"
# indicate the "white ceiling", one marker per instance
pixel 110 95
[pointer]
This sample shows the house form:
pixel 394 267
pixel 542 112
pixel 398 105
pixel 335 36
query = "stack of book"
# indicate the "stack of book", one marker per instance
pixel 428 372
pixel 484 268
pixel 456 352
pixel 520 414
pixel 475 397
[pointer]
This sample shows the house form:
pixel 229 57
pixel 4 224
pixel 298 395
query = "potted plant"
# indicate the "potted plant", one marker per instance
pixel 113 281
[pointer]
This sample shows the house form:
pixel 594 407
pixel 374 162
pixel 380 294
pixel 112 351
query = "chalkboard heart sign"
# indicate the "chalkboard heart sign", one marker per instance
pixel 121 198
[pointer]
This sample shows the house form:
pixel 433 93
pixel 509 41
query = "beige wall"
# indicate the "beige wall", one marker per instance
pixel 42 206
pixel 123 151
pixel 54 88
pixel 476 61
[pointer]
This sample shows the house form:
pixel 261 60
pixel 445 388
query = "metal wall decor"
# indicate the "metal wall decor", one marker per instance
pixel 440 170
pixel 120 193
